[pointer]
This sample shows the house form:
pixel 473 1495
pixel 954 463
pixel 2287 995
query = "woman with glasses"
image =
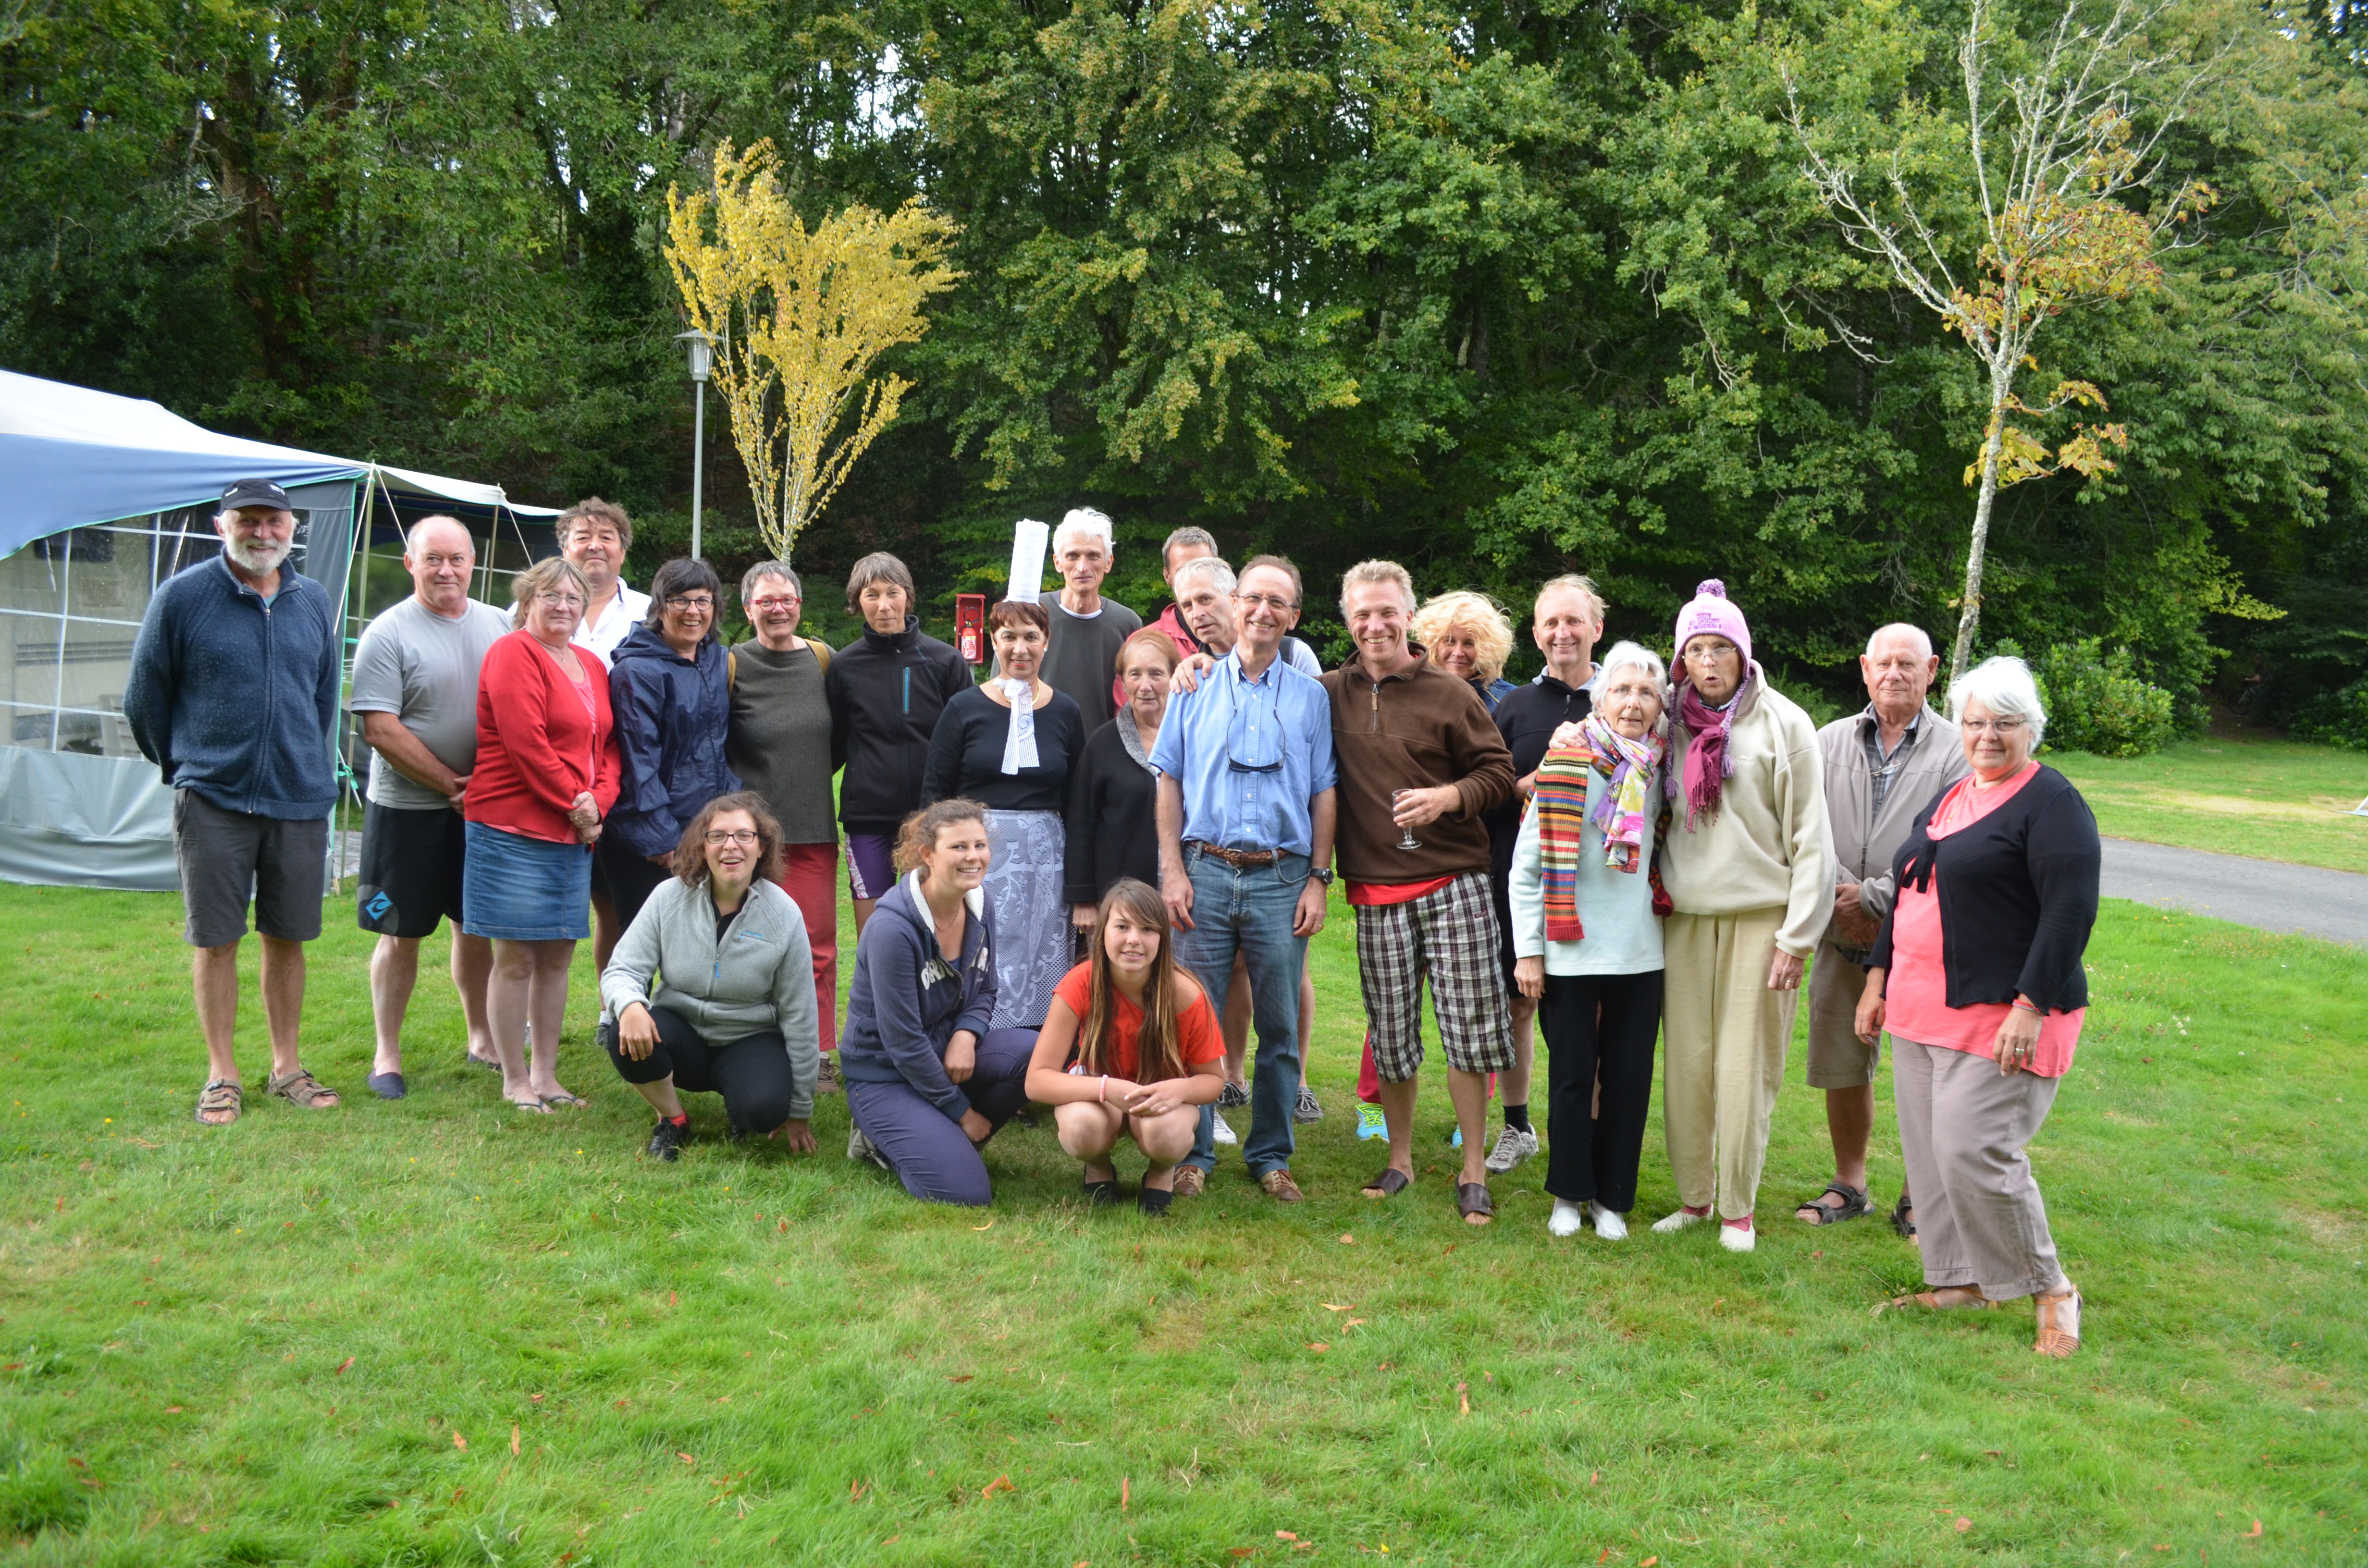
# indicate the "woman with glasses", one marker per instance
pixel 1977 975
pixel 546 773
pixel 671 686
pixel 1009 746
pixel 734 1010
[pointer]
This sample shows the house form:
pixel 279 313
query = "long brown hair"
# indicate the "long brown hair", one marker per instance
pixel 918 835
pixel 691 854
pixel 1158 1048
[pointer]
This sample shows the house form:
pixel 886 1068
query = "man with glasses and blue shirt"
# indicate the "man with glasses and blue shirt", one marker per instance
pixel 1245 817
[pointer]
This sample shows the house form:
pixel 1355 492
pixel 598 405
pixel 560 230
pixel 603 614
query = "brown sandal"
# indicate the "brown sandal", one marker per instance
pixel 1389 1184
pixel 218 1096
pixel 1931 1301
pixel 301 1088
pixel 2059 1324
pixel 1472 1202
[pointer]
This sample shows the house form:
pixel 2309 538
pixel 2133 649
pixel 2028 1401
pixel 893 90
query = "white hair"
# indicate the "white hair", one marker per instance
pixel 1085 520
pixel 1923 638
pixel 2003 686
pixel 1623 655
pixel 1220 576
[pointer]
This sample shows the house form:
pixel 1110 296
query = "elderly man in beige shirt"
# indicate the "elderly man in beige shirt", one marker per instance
pixel 1882 768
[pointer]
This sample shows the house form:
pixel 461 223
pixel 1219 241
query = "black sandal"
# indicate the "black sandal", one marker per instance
pixel 1903 1219
pixel 1153 1200
pixel 1101 1194
pixel 1855 1205
pixel 1389 1184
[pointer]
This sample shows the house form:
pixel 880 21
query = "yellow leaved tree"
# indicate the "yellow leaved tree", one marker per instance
pixel 799 316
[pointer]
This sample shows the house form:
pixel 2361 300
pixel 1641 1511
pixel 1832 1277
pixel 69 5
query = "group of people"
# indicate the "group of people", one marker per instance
pixel 1088 881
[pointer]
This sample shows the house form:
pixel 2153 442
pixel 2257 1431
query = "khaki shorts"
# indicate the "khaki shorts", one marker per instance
pixel 1837 1057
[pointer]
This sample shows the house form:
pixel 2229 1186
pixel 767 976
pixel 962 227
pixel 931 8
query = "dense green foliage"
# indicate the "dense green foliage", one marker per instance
pixel 1503 293
pixel 2096 704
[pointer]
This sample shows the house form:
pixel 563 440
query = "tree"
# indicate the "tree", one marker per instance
pixel 800 316
pixel 2055 230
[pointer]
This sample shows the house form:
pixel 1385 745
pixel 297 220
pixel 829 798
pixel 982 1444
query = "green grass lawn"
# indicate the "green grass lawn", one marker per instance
pixel 434 1332
pixel 2272 799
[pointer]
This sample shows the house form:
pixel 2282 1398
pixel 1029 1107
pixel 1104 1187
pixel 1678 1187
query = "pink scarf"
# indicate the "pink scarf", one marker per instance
pixel 1708 767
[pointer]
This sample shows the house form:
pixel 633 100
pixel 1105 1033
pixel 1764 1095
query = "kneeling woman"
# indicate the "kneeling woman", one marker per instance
pixel 1130 1049
pixel 734 1011
pixel 928 1081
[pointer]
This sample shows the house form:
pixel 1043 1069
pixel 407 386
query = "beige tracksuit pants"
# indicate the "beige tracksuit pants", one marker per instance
pixel 1724 1035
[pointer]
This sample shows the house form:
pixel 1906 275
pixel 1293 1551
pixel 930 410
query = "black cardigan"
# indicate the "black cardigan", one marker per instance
pixel 2018 896
pixel 966 755
pixel 1113 818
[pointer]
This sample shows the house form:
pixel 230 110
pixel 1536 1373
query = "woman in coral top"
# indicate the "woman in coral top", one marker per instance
pixel 1130 1049
pixel 1977 975
pixel 546 774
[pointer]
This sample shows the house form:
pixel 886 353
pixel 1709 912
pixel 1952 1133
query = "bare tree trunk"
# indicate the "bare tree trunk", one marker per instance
pixel 1993 442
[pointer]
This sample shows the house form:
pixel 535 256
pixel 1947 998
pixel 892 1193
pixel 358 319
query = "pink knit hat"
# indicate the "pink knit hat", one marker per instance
pixel 1712 612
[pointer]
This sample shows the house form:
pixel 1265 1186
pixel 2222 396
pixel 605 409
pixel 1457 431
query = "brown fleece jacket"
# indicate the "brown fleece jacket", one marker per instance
pixel 1415 730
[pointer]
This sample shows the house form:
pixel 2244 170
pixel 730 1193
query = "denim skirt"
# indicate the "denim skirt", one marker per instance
pixel 525 890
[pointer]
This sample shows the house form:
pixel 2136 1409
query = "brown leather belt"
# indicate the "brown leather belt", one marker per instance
pixel 1238 857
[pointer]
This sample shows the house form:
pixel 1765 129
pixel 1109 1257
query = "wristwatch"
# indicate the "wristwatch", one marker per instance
pixel 1322 873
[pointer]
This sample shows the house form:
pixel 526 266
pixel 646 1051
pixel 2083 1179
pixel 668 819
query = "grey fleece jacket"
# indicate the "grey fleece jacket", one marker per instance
pixel 761 979
pixel 1865 840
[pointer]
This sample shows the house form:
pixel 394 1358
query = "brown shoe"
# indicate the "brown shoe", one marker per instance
pixel 827 1076
pixel 1189 1180
pixel 1279 1186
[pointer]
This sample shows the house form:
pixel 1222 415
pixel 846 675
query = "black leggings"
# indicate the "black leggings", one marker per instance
pixel 752 1073
pixel 1591 1023
pixel 631 879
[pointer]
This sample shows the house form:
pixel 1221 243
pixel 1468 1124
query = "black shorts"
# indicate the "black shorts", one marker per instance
pixel 411 869
pixel 226 858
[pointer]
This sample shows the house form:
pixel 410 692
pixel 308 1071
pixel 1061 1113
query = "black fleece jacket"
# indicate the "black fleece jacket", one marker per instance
pixel 886 693
pixel 2018 896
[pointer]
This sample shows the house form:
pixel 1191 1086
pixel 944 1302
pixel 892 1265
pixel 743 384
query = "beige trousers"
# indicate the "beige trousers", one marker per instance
pixel 1724 1035
pixel 1963 1125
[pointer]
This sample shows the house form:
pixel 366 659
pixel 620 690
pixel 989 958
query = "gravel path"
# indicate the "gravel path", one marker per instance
pixel 2267 895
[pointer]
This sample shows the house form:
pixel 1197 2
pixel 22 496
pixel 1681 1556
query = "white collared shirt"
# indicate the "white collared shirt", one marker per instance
pixel 626 610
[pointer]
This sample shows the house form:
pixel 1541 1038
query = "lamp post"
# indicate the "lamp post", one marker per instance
pixel 701 345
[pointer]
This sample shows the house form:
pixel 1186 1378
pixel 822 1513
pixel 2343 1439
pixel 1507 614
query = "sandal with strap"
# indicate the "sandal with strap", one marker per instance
pixel 1854 1205
pixel 1472 1201
pixel 218 1096
pixel 1945 1298
pixel 301 1088
pixel 1903 1219
pixel 1389 1184
pixel 2059 1324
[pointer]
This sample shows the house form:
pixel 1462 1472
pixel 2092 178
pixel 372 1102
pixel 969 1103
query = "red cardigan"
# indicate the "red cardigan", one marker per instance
pixel 537 748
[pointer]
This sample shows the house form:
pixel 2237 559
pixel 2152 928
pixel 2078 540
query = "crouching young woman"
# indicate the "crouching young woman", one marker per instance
pixel 1130 1049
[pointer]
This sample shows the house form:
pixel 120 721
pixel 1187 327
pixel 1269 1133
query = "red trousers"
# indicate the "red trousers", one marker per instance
pixel 809 876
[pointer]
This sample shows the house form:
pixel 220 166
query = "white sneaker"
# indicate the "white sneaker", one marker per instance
pixel 1677 1222
pixel 1514 1145
pixel 1222 1133
pixel 1609 1226
pixel 859 1147
pixel 1737 1238
pixel 1569 1219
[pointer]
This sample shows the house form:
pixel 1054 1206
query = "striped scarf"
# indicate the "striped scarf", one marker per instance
pixel 1629 768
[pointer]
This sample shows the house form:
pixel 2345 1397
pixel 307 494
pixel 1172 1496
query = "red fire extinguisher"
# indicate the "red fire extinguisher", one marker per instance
pixel 970 627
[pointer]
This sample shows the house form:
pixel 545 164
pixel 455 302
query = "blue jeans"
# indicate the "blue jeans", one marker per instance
pixel 1250 910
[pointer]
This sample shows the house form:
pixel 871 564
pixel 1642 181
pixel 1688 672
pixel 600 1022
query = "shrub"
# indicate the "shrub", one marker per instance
pixel 2337 719
pixel 2097 703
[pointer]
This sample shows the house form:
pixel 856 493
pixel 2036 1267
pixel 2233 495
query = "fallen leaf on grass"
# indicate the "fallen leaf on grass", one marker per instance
pixel 988 1226
pixel 1337 1306
pixel 1241 1551
pixel 1000 1483
pixel 1347 1240
pixel 2253 1534
pixel 685 1458
pixel 1594 1478
pixel 1648 1563
pixel 341 1367
pixel 964 1379
pixel 1354 1322
pixel 172 1410
pixel 514 1437
pixel 534 1399
pixel 1318 1345
pixel 459 1442
pixel 1963 1525
pixel 1121 1494
pixel 1463 1398
pixel 1284 1534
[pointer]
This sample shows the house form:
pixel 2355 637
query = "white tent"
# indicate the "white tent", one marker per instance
pixel 109 496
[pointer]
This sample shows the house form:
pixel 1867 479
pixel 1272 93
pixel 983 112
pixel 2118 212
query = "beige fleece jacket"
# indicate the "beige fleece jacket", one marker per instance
pixel 1769 844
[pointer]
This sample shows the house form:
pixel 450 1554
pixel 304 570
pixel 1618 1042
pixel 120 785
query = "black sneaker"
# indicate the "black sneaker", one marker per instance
pixel 667 1138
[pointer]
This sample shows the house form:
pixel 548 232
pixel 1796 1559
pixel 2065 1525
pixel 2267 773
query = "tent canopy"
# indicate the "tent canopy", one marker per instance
pixel 78 457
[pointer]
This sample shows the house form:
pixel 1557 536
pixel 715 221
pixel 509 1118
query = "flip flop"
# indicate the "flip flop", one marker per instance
pixel 1389 1184
pixel 467 1060
pixel 563 1098
pixel 388 1086
pixel 532 1107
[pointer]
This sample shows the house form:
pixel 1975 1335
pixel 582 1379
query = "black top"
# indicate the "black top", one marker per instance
pixel 886 695
pixel 2018 896
pixel 966 755
pixel 1113 818
pixel 1527 717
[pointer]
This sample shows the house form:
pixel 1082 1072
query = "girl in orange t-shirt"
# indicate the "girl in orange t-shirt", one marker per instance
pixel 1130 1049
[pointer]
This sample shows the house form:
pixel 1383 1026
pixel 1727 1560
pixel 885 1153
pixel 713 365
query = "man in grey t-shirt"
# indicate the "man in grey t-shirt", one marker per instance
pixel 415 688
pixel 1081 655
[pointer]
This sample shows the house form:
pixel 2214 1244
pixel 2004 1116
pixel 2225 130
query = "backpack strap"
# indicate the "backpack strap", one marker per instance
pixel 731 670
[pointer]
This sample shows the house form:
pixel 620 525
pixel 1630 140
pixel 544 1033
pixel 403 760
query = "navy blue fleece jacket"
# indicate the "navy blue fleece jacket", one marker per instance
pixel 907 1000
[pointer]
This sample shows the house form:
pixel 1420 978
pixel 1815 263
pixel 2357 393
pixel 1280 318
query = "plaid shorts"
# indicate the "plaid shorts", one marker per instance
pixel 1450 935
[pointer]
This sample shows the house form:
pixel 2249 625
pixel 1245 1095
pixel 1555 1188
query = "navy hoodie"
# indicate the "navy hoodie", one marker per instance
pixel 886 693
pixel 672 717
pixel 906 1001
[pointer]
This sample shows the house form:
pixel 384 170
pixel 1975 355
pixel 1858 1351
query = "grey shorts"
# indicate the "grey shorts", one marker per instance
pixel 227 857
pixel 1837 1057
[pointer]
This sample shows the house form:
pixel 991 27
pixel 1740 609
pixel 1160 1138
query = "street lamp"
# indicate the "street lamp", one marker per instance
pixel 701 345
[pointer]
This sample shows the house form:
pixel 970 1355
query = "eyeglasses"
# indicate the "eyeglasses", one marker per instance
pixel 560 601
pixel 775 603
pixel 1264 601
pixel 690 601
pixel 1990 726
pixel 742 836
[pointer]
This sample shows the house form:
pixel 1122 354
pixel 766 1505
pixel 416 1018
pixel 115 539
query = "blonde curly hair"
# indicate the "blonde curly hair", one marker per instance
pixel 1476 614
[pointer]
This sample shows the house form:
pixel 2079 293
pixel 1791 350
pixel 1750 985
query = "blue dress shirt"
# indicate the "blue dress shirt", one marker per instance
pixel 1249 755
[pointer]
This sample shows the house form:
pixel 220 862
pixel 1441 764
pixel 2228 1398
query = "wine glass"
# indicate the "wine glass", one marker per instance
pixel 1406 840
